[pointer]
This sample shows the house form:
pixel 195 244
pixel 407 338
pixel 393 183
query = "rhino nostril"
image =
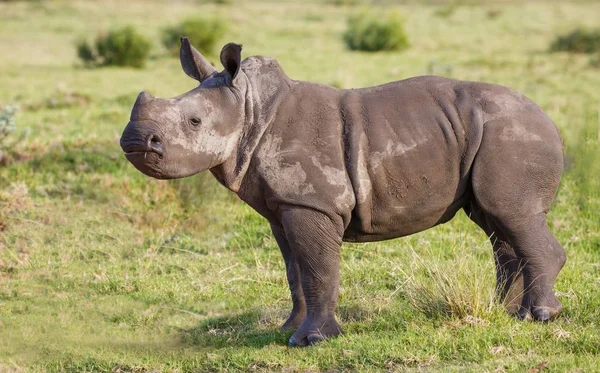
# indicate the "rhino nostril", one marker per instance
pixel 156 144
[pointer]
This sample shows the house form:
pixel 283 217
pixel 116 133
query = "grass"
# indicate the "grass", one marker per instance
pixel 104 269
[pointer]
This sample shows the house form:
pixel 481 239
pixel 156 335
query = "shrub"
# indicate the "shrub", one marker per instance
pixel 342 2
pixel 578 41
pixel 123 47
pixel 374 32
pixel 445 11
pixel 85 52
pixel 120 47
pixel 7 127
pixel 202 32
pixel 595 61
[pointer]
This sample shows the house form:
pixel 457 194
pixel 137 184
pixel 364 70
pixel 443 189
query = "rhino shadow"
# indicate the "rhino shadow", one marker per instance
pixel 258 329
pixel 243 329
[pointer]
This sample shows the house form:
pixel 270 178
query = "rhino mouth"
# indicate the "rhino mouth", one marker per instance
pixel 143 154
pixel 136 148
pixel 148 162
pixel 134 153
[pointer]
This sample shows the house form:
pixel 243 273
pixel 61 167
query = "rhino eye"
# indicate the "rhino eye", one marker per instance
pixel 195 121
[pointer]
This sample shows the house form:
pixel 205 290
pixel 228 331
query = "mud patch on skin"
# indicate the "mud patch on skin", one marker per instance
pixel 395 149
pixel 337 178
pixel 518 133
pixel 364 188
pixel 504 98
pixel 284 178
pixel 502 102
pixel 490 107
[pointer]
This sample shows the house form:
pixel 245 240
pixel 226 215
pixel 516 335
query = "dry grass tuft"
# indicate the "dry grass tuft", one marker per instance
pixel 457 288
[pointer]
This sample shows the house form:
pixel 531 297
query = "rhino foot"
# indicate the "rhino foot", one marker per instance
pixel 311 332
pixel 294 320
pixel 543 314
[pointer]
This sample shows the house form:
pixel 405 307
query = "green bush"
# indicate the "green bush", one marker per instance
pixel 123 47
pixel 577 41
pixel 202 32
pixel 120 47
pixel 85 52
pixel 445 11
pixel 595 61
pixel 342 2
pixel 7 127
pixel 373 32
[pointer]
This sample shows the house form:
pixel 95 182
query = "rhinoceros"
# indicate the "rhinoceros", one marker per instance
pixel 326 165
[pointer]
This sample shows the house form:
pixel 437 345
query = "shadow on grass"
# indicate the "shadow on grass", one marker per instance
pixel 257 329
pixel 243 329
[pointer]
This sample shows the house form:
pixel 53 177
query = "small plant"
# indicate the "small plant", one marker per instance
pixel 374 32
pixel 493 13
pixel 595 61
pixel 342 2
pixel 85 52
pixel 120 47
pixel 577 41
pixel 202 32
pixel 445 11
pixel 7 127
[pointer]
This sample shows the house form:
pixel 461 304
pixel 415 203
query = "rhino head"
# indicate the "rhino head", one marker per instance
pixel 180 136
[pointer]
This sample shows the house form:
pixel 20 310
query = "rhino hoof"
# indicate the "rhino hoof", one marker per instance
pixel 294 343
pixel 545 313
pixel 308 341
pixel 542 314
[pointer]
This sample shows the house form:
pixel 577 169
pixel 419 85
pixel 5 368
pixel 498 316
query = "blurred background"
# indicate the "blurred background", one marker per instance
pixel 104 269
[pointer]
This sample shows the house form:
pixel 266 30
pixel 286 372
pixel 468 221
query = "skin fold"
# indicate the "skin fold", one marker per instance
pixel 326 165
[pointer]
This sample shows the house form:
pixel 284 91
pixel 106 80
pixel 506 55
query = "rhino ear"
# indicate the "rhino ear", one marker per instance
pixel 231 58
pixel 193 63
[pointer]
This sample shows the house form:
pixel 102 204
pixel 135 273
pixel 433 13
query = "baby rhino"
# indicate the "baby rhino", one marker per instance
pixel 326 165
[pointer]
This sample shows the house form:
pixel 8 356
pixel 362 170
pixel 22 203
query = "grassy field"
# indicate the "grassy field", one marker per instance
pixel 104 269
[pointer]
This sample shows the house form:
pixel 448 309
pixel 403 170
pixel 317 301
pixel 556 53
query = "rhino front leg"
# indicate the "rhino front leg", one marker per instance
pixel 293 276
pixel 315 241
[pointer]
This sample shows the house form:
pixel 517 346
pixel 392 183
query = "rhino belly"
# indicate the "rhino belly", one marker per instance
pixel 404 192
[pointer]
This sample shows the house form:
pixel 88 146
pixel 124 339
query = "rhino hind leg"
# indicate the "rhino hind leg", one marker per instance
pixel 509 277
pixel 515 176
pixel 542 258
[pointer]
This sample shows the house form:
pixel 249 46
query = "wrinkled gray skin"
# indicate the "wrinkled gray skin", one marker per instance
pixel 325 165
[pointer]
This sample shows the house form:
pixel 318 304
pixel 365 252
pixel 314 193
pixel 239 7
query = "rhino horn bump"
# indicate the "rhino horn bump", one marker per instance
pixel 143 98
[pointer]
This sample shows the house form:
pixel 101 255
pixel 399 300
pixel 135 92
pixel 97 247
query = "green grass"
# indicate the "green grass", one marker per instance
pixel 104 269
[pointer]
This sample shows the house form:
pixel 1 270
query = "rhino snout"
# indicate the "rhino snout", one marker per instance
pixel 139 138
